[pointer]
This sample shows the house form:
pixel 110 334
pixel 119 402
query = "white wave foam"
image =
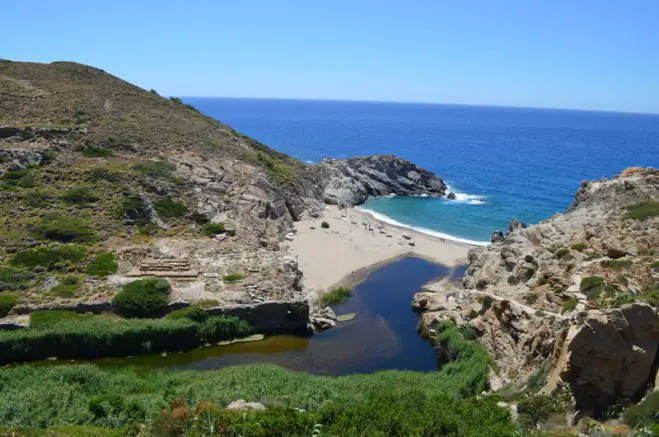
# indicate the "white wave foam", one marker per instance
pixel 391 221
pixel 471 199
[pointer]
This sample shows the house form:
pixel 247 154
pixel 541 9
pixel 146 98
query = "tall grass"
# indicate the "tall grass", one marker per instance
pixel 335 296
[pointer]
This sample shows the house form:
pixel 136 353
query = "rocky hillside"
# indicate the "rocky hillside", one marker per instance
pixel 103 182
pixel 571 300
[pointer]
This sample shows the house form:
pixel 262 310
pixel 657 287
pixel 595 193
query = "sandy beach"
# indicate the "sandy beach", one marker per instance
pixel 346 251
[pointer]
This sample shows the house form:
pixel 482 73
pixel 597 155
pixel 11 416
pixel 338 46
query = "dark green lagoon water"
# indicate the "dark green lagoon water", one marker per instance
pixel 382 336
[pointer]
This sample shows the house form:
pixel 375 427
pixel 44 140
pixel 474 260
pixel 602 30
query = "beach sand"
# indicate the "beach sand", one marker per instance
pixel 346 252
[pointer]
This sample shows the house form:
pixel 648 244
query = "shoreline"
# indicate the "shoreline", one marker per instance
pixel 348 250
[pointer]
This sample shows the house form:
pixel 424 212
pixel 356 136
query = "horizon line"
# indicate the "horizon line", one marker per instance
pixel 398 102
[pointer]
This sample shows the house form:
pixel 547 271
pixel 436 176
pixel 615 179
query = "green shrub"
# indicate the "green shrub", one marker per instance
pixel 622 299
pixel 617 264
pixel 36 198
pixel 560 253
pixel 280 171
pixel 193 312
pixel 103 174
pixel 176 100
pixel 535 410
pixel 542 280
pixel 64 229
pixel 569 304
pixel 530 298
pixel 142 298
pixel 513 280
pixel 335 296
pixel 169 209
pixel 233 277
pixel 578 247
pixel 650 295
pixel 18 178
pixel 134 208
pixel 80 196
pixel 68 287
pixel 47 318
pixel 643 210
pixel 49 257
pixel 102 264
pixel 592 286
pixel 7 302
pixel 324 225
pixel 223 328
pixel 97 152
pixel 160 169
pixel 645 413
pixel 212 229
pixel 199 218
pixel 12 279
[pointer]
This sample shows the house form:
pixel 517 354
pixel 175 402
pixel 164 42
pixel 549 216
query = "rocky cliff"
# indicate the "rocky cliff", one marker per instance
pixel 574 297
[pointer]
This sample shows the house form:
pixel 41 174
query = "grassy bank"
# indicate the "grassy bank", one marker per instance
pixel 166 403
pixel 64 336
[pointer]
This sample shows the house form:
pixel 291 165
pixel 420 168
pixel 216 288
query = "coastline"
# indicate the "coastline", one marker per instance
pixel 347 251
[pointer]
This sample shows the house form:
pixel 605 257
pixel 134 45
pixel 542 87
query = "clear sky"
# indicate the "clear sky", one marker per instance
pixel 588 54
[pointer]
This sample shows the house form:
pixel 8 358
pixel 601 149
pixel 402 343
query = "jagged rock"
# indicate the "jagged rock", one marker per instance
pixel 241 405
pixel 451 196
pixel 325 312
pixel 351 181
pixel 321 324
pixel 497 236
pixel 514 225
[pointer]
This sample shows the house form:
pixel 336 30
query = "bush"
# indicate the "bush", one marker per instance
pixel 617 264
pixel 169 209
pixel 645 413
pixel 513 280
pixel 560 253
pixel 176 100
pixel 102 264
pixel 160 169
pixel 335 296
pixel 193 312
pixel 64 229
pixel 569 304
pixel 12 279
pixel 103 174
pixel 134 208
pixel 542 280
pixel 142 298
pixel 530 298
pixel 18 178
pixel 643 210
pixel 233 277
pixel 324 225
pixel 592 286
pixel 535 410
pixel 68 287
pixel 578 247
pixel 49 257
pixel 97 152
pixel 650 295
pixel 80 196
pixel 65 335
pixel 212 229
pixel 36 198
pixel 47 318
pixel 7 302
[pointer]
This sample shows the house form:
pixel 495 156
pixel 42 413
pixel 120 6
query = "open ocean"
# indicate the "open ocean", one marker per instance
pixel 503 163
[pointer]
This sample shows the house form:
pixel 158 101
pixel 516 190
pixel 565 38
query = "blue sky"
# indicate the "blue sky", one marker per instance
pixel 588 54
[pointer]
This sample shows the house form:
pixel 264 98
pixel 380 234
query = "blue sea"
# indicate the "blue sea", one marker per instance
pixel 503 163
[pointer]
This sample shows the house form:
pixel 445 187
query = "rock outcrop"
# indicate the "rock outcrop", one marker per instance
pixel 574 296
pixel 351 181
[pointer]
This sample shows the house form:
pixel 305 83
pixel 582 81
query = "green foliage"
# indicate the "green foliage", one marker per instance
pixel 279 170
pixel 335 296
pixel 176 100
pixel 536 409
pixel 64 229
pixel 193 312
pixel 578 247
pixel 65 335
pixel 80 196
pixel 7 302
pixel 47 318
pixel 381 404
pixel 622 299
pixel 542 280
pixel 102 264
pixel 643 210
pixel 103 174
pixel 212 229
pixel 650 295
pixel 142 298
pixel 12 279
pixel 233 277
pixel 530 298
pixel 68 287
pixel 97 152
pixel 569 304
pixel 592 286
pixel 190 107
pixel 36 198
pixel 169 209
pixel 160 169
pixel 133 208
pixel 617 264
pixel 513 280
pixel 18 178
pixel 49 257
pixel 561 252
pixel 324 225
pixel 644 414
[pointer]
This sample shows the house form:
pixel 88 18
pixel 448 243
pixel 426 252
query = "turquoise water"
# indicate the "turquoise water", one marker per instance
pixel 504 163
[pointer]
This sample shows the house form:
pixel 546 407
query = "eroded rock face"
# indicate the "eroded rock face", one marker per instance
pixel 351 181
pixel 557 294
